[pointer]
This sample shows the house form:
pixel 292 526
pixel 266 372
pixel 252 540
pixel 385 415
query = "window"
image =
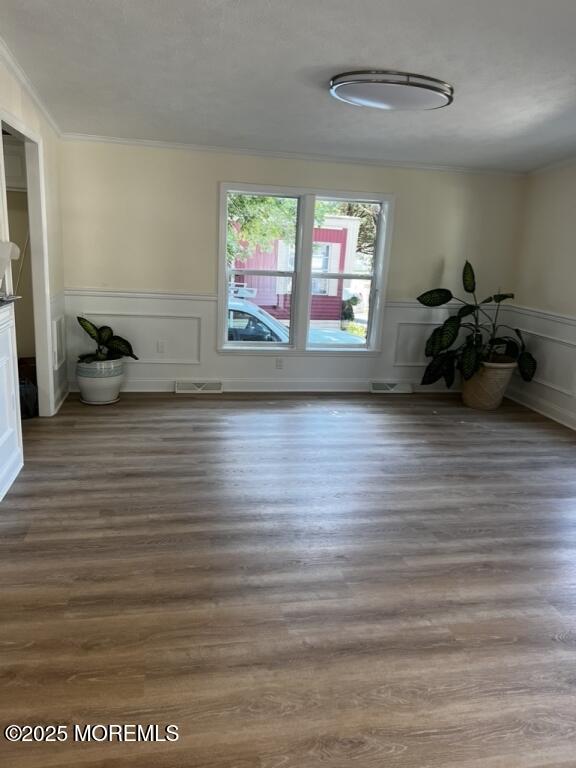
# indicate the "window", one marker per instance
pixel 320 262
pixel 301 270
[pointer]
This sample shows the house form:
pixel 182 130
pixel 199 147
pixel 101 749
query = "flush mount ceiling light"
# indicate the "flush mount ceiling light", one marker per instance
pixel 388 89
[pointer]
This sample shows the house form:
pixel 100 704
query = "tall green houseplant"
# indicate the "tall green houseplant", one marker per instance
pixel 473 336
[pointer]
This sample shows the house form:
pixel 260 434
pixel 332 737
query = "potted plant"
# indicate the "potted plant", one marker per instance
pixel 473 342
pixel 100 373
pixel 347 313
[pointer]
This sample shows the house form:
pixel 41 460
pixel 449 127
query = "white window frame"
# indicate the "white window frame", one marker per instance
pixel 302 276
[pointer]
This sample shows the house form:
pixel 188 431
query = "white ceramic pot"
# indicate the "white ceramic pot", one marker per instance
pixel 485 390
pixel 100 382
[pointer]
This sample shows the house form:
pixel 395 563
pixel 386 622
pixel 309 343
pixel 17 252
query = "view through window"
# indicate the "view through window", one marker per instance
pixel 267 265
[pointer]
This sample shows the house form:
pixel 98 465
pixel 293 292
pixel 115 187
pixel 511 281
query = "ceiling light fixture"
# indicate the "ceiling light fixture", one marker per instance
pixel 388 89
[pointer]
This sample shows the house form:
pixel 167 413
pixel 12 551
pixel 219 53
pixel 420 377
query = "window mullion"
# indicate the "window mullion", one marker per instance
pixel 374 329
pixel 303 270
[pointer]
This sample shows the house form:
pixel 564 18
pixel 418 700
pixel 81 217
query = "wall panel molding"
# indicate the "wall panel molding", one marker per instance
pixel 188 324
pixel 108 294
pixel 552 340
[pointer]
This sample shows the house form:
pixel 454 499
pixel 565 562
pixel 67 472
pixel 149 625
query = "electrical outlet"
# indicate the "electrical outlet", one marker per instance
pixel 279 363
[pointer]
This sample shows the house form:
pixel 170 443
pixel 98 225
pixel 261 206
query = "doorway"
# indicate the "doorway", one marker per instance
pixel 24 223
pixel 22 284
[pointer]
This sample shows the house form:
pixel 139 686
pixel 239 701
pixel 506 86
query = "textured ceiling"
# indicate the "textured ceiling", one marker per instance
pixel 252 74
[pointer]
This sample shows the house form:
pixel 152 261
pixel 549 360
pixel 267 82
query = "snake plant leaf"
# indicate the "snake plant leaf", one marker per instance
pixel 434 343
pixel 434 370
pixel 498 297
pixel 468 278
pixel 105 333
pixel 436 297
pixel 527 365
pixel 470 361
pixel 89 327
pixel 467 309
pixel 118 344
pixel 449 331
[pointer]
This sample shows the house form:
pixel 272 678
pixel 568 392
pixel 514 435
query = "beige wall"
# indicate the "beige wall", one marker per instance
pixel 145 218
pixel 24 309
pixel 546 264
pixel 16 106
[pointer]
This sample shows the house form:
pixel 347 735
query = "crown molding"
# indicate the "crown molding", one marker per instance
pixel 394 164
pixel 557 165
pixel 16 70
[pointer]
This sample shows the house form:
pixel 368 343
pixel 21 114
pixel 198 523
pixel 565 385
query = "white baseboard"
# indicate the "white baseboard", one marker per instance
pixel 61 398
pixel 296 385
pixel 252 385
pixel 543 407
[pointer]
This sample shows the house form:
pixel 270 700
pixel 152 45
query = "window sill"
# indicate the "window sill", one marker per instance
pixel 278 351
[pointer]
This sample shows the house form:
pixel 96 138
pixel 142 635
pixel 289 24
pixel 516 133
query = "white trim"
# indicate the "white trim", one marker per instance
pixel 302 274
pixel 37 216
pixel 62 399
pixel 156 316
pixel 16 70
pixel 547 337
pixel 121 294
pixel 553 340
pixel 58 341
pixel 409 323
pixel 303 283
pixel 299 192
pixel 380 269
pixel 278 351
pixel 543 407
pixel 262 272
pixel 253 385
pixel 40 276
pixel 342 275
pixel 296 385
pixel 542 314
pixel 221 315
pixel 147 315
pixel 282 155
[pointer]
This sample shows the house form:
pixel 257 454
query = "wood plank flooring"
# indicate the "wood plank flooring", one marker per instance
pixel 296 582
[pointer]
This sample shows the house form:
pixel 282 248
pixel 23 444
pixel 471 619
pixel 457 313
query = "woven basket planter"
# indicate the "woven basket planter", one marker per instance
pixel 485 390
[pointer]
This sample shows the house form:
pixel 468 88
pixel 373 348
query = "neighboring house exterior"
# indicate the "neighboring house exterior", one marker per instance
pixel 334 251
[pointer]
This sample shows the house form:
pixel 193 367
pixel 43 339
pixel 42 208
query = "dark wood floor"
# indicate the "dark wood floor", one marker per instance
pixel 307 582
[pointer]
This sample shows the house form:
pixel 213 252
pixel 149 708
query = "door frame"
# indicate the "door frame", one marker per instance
pixel 35 182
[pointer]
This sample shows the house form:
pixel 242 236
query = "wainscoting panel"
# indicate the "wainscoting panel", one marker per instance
pixel 175 338
pixel 410 343
pixel 552 340
pixel 59 348
pixel 166 339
